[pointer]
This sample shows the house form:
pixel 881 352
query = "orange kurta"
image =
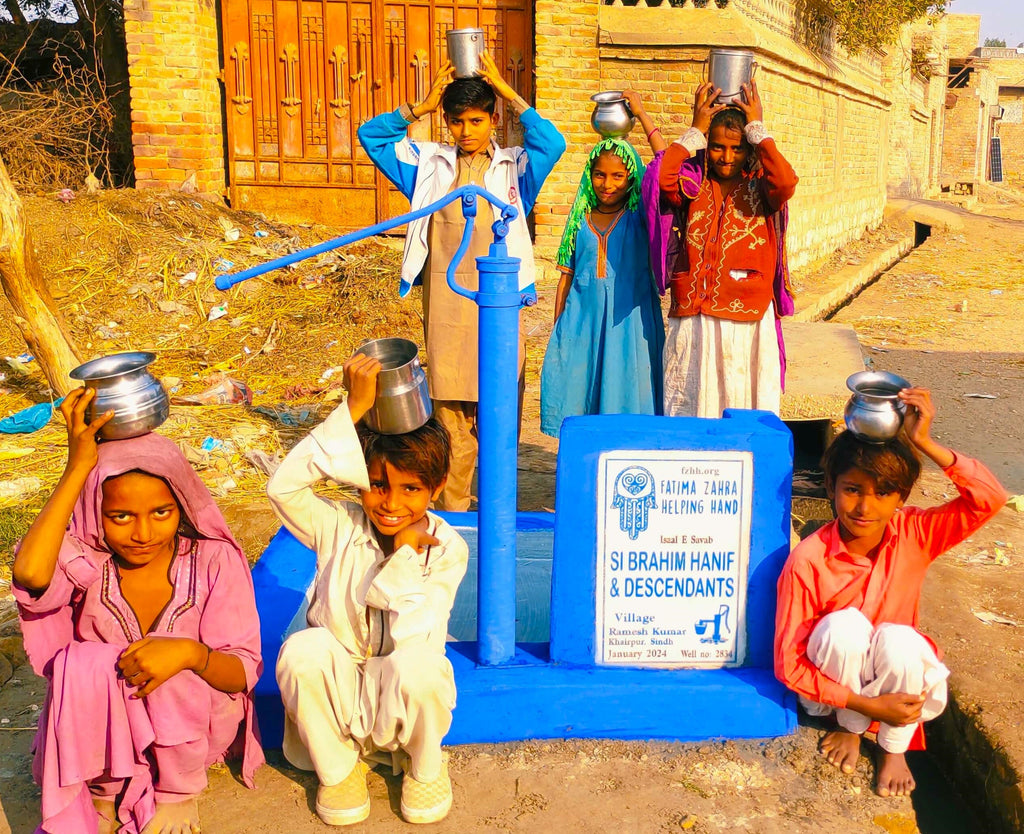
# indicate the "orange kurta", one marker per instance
pixel 727 266
pixel 822 576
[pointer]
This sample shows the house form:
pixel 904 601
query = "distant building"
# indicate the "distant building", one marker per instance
pixel 984 102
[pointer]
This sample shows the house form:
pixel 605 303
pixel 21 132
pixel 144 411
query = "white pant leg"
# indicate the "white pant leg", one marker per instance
pixel 901 660
pixel 411 694
pixel 319 683
pixel 681 366
pixel 711 364
pixel 839 647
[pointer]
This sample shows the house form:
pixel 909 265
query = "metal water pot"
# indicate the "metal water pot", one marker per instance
pixel 123 383
pixel 464 48
pixel 403 397
pixel 728 69
pixel 875 412
pixel 612 117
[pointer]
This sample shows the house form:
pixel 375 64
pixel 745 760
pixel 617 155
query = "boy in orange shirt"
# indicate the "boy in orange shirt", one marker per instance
pixel 846 638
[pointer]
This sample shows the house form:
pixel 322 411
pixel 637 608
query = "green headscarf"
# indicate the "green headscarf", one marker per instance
pixel 586 199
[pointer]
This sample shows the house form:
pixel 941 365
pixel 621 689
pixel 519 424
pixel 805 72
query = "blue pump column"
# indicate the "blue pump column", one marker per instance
pixel 499 301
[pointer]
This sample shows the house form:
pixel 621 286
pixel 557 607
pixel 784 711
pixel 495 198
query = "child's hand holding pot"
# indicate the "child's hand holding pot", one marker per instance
pixel 360 375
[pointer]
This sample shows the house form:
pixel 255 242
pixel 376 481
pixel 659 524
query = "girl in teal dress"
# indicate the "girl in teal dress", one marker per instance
pixel 604 355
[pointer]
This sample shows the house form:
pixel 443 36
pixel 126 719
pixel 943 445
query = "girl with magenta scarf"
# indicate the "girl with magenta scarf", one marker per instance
pixel 604 355
pixel 137 606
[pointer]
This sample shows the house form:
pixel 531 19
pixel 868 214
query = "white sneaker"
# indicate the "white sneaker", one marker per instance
pixel 425 802
pixel 348 802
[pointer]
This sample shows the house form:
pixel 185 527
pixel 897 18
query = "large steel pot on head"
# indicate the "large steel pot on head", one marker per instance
pixel 728 70
pixel 403 397
pixel 123 383
pixel 464 49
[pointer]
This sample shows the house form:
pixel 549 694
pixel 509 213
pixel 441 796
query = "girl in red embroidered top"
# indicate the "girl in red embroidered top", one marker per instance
pixel 728 279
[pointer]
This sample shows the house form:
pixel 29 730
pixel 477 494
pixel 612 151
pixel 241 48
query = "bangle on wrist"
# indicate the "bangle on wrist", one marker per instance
pixel 206 665
pixel 653 131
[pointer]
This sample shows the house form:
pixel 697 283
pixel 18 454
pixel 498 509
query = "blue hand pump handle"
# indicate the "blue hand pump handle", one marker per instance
pixel 466 193
pixel 499 301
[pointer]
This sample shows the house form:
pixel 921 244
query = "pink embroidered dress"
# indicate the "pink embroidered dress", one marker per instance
pixel 90 729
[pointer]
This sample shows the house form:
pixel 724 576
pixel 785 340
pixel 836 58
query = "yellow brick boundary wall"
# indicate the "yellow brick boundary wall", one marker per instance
pixel 174 59
pixel 833 120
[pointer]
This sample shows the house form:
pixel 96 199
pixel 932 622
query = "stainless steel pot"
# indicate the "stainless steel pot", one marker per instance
pixel 612 117
pixel 123 384
pixel 875 413
pixel 728 69
pixel 403 397
pixel 464 48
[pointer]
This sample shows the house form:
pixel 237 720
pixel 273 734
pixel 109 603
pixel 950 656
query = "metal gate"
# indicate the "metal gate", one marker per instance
pixel 301 75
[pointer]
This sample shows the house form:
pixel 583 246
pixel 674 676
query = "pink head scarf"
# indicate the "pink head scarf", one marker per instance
pixel 153 455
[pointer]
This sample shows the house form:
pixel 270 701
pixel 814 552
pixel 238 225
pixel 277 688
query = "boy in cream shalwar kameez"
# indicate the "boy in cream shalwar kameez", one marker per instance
pixel 370 674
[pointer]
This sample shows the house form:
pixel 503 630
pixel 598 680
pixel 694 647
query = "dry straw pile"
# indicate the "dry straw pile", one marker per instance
pixel 53 133
pixel 135 271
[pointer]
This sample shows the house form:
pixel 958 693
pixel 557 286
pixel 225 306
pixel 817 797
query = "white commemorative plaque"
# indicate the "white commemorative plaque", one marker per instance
pixel 673 540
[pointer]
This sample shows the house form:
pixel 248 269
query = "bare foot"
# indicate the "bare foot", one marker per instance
pixel 174 818
pixel 108 815
pixel 893 775
pixel 842 749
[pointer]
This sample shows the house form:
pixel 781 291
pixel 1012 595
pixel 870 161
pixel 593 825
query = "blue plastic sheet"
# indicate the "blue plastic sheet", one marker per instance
pixel 29 419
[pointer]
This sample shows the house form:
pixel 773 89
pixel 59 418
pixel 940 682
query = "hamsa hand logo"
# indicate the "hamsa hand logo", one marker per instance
pixel 634 496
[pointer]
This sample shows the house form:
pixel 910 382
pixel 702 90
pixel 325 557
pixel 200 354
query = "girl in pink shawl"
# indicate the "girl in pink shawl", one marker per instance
pixel 137 606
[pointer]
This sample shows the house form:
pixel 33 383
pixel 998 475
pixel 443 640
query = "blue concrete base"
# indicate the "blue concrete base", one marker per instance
pixel 537 699
pixel 532 697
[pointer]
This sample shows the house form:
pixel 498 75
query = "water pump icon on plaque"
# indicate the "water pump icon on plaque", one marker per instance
pixel 672 550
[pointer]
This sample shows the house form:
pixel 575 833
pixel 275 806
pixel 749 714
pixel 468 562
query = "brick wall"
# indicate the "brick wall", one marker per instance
pixel 913 72
pixel 970 117
pixel 173 59
pixel 1011 131
pixel 832 120
pixel 964 34
pixel 568 72
pixel 1007 65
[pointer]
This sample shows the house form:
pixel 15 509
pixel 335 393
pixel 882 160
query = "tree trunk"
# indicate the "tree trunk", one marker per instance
pixel 34 310
pixel 14 10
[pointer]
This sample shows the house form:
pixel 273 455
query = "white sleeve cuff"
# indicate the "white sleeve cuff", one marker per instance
pixel 693 140
pixel 755 132
pixel 338 452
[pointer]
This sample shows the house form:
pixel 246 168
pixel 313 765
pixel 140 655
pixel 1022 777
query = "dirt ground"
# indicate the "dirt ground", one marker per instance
pixel 948 317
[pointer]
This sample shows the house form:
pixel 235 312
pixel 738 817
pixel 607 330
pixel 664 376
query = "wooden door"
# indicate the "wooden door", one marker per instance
pixel 301 75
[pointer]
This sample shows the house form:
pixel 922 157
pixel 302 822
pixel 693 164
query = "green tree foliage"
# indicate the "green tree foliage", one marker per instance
pixel 995 42
pixel 864 24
